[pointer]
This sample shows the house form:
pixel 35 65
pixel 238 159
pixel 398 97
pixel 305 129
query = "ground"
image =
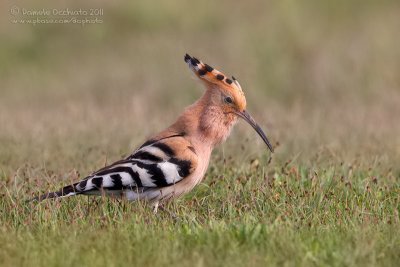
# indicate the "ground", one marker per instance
pixel 321 79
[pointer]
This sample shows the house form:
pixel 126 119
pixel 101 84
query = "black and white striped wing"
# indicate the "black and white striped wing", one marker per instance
pixel 153 165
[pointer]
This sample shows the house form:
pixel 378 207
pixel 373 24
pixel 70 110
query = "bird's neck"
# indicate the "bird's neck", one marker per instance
pixel 205 122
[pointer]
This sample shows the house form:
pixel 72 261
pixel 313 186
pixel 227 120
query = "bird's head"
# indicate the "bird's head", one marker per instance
pixel 227 93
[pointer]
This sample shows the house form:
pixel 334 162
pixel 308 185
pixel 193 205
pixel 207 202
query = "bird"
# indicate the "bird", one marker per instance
pixel 172 162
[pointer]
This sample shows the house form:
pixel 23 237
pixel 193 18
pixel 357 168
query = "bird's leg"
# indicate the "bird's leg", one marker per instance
pixel 155 207
pixel 170 213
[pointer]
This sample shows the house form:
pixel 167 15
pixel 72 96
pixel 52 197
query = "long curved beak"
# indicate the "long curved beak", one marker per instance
pixel 247 117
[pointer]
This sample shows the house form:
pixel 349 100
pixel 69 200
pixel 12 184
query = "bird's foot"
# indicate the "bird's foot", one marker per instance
pixel 170 213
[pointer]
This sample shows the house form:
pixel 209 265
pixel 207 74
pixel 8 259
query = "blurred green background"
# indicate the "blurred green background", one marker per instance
pixel 321 77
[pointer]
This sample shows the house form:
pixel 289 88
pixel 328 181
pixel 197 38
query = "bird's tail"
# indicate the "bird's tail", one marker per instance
pixel 69 190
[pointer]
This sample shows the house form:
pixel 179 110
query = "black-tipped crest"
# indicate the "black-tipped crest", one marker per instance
pixel 209 74
pixel 187 58
pixel 195 60
pixel 208 68
pixel 202 72
pixel 220 77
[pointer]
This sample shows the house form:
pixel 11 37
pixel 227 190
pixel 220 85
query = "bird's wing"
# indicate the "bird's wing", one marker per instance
pixel 157 163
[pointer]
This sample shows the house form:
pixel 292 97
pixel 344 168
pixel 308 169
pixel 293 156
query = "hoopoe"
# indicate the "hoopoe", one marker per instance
pixel 174 161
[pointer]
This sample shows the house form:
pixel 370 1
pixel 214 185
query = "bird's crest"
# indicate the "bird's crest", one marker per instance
pixel 212 76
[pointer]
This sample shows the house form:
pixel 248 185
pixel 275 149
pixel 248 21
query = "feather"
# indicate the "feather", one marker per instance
pixel 154 165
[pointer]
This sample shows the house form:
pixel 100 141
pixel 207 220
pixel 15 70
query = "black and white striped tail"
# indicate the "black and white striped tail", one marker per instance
pixel 66 191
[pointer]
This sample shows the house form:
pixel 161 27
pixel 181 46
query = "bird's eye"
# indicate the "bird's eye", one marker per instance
pixel 228 100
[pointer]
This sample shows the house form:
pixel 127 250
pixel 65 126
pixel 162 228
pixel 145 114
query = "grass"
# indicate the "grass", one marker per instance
pixel 290 215
pixel 322 80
